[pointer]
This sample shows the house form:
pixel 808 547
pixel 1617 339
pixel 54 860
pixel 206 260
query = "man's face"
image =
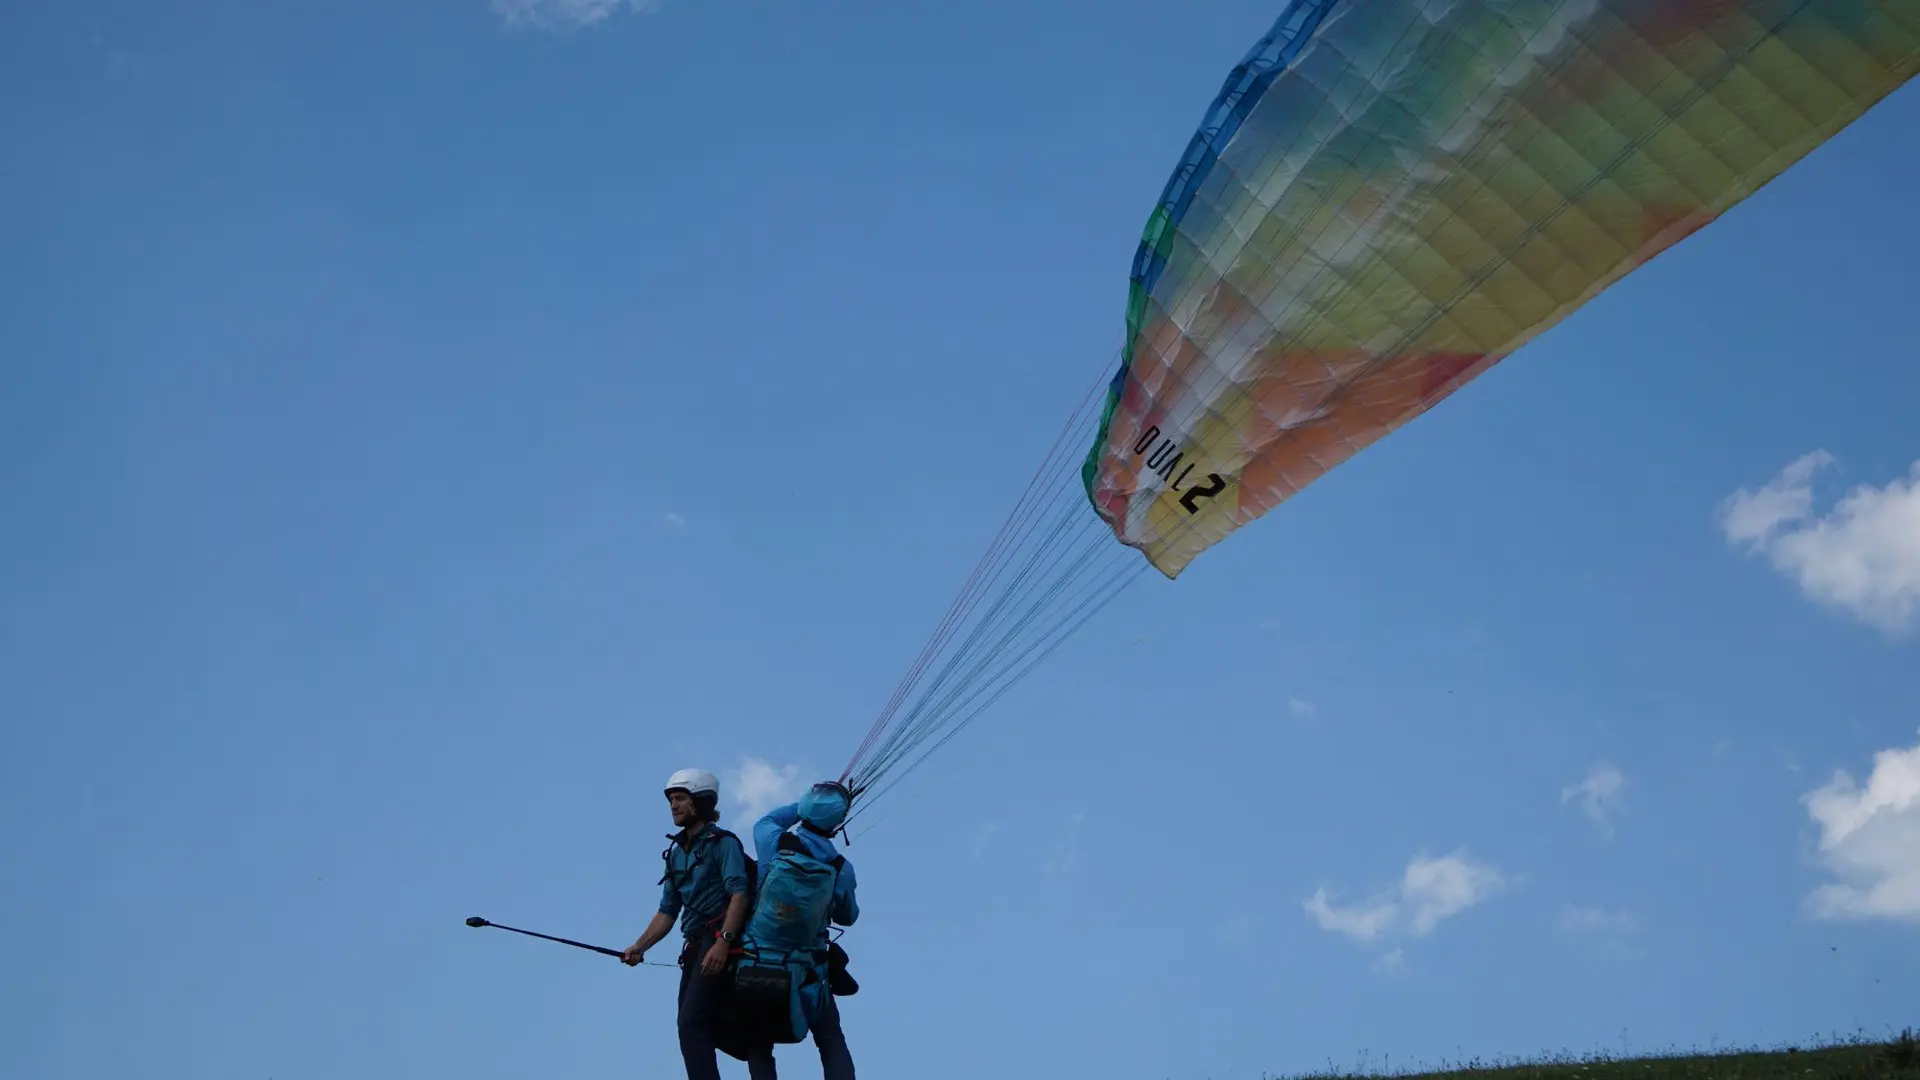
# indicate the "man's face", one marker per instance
pixel 681 804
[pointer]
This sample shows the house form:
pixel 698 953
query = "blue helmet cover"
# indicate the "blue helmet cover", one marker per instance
pixel 825 806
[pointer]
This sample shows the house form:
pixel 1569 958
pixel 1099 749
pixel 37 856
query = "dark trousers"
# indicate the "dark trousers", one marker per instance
pixel 704 1001
pixel 836 1061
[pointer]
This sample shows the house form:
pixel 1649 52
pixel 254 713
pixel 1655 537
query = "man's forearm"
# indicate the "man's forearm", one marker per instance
pixel 736 914
pixel 658 928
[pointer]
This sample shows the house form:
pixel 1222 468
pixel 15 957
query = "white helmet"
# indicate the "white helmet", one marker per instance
pixel 694 782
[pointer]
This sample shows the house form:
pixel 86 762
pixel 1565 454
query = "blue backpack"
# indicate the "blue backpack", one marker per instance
pixel 780 982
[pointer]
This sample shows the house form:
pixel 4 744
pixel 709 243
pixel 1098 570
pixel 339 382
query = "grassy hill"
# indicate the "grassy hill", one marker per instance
pixel 1856 1058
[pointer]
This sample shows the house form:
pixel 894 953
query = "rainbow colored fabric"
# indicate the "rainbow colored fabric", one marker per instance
pixel 1389 196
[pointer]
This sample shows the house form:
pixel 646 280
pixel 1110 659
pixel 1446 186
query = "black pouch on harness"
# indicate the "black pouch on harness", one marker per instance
pixel 838 981
pixel 763 1004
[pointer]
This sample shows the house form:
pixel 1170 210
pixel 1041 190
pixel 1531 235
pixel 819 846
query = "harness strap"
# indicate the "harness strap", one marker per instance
pixel 714 924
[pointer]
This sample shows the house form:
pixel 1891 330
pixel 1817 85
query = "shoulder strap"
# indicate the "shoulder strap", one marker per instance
pixel 745 852
pixel 666 857
pixel 792 842
pixel 711 830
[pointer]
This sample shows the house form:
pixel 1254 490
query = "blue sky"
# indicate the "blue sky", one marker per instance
pixel 421 434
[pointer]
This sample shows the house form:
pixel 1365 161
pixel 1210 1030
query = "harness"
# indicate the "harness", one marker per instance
pixel 785 974
pixel 790 842
pixel 695 850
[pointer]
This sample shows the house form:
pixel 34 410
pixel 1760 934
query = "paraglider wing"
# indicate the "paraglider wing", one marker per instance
pixel 1385 198
pixel 1389 196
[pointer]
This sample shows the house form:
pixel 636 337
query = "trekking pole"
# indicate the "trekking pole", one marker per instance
pixel 476 921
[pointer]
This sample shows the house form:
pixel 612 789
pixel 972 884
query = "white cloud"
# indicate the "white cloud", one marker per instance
pixel 1361 922
pixel 1301 707
pixel 1602 795
pixel 674 520
pixel 758 786
pixel 1598 920
pixel 1438 889
pixel 1431 891
pixel 565 14
pixel 984 835
pixel 1066 853
pixel 1863 556
pixel 1870 840
pixel 1750 517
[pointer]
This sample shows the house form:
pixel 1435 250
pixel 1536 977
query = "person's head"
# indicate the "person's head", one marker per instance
pixel 824 807
pixel 693 796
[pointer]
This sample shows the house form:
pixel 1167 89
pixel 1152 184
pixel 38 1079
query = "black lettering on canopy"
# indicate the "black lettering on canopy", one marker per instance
pixel 1164 456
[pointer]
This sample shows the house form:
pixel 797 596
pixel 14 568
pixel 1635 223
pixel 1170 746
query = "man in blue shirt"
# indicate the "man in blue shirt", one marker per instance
pixel 706 885
pixel 819 815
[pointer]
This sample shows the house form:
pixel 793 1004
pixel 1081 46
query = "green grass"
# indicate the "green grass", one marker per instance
pixel 1852 1058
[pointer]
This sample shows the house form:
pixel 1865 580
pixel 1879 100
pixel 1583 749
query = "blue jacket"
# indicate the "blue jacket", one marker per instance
pixel 701 877
pixel 766 840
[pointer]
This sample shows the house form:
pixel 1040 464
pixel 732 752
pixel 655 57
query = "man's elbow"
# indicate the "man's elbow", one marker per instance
pixel 778 818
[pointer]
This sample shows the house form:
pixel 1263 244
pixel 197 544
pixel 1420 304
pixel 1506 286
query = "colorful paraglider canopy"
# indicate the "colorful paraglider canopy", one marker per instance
pixel 1389 196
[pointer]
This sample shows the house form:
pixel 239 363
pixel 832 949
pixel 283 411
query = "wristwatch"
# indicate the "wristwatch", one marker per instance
pixel 729 936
